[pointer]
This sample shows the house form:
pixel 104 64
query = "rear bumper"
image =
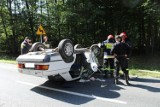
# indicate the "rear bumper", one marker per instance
pixel 31 72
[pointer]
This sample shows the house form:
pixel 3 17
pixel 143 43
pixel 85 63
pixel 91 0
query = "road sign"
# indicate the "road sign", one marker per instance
pixel 40 30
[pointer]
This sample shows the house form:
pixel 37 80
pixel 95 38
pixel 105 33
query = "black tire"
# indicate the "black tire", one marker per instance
pixel 98 53
pixel 37 47
pixel 66 50
pixel 96 49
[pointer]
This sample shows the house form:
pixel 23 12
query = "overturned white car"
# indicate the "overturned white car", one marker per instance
pixel 66 62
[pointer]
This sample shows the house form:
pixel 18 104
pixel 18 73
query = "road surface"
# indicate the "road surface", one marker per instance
pixel 20 90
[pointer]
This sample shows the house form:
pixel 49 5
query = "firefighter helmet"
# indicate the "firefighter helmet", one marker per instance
pixel 123 35
pixel 110 37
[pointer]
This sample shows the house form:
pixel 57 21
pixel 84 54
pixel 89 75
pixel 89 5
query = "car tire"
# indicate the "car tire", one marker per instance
pixel 99 53
pixel 36 47
pixel 66 50
pixel 96 49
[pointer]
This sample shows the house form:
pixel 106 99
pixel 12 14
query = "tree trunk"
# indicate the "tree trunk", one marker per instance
pixel 148 37
pixel 31 23
pixel 3 23
pixel 12 49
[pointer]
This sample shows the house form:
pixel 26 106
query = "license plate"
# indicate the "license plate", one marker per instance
pixel 29 65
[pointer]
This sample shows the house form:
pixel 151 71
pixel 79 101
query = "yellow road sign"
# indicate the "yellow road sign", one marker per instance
pixel 40 30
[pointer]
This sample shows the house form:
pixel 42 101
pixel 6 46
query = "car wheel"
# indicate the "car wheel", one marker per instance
pixel 96 50
pixel 98 53
pixel 37 47
pixel 66 50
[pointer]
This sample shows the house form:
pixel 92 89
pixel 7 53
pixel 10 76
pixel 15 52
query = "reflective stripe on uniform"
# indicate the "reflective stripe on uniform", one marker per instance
pixel 109 45
pixel 22 45
pixel 108 56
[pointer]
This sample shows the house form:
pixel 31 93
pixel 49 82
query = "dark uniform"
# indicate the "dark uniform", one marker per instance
pixel 126 40
pixel 25 46
pixel 108 57
pixel 121 51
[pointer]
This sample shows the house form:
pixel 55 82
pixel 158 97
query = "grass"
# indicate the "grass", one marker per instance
pixel 145 66
pixel 144 73
pixel 139 65
pixel 150 63
pixel 7 59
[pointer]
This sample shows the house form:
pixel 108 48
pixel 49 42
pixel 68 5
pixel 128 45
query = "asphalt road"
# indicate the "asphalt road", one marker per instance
pixel 20 90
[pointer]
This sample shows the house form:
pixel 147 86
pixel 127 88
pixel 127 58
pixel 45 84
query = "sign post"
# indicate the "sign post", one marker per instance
pixel 40 32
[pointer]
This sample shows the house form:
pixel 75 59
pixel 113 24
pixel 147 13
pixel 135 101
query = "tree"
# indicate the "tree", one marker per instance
pixel 83 21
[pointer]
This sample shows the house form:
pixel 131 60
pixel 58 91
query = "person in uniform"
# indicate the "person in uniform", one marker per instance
pixel 125 39
pixel 108 58
pixel 120 51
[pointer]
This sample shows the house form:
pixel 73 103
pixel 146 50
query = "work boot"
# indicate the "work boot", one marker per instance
pixel 126 79
pixel 117 81
pixel 111 74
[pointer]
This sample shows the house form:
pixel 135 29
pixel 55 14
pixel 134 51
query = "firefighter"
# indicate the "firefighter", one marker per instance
pixel 120 51
pixel 125 39
pixel 108 58
pixel 25 45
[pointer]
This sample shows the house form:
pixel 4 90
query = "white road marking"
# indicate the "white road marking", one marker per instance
pixel 74 93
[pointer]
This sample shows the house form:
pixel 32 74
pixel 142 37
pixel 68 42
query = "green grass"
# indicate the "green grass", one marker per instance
pixel 150 63
pixel 7 59
pixel 144 73
pixel 145 66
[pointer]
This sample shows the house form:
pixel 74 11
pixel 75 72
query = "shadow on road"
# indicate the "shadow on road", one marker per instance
pixel 144 86
pixel 100 88
pixel 149 88
pixel 148 80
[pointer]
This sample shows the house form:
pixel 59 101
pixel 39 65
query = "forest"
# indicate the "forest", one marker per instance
pixel 83 21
